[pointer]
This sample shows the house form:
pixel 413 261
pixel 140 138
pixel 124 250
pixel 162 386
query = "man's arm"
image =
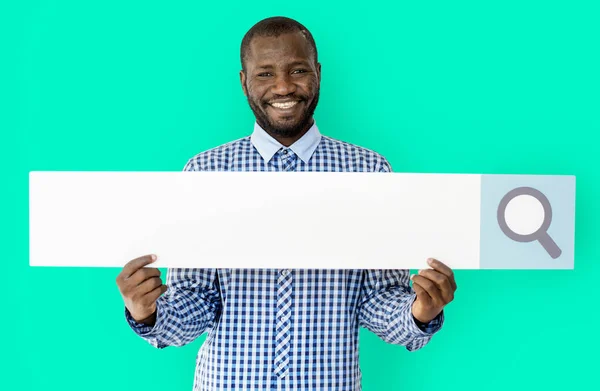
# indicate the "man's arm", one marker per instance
pixel 385 308
pixel 190 307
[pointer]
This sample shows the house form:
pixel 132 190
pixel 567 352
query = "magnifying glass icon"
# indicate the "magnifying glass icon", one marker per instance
pixel 520 234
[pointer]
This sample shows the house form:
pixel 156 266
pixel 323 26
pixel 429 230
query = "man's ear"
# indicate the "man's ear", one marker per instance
pixel 319 71
pixel 243 81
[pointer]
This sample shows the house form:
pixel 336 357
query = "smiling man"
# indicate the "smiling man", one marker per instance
pixel 272 329
pixel 280 77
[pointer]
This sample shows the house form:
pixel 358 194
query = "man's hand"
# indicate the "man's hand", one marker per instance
pixel 140 287
pixel 435 288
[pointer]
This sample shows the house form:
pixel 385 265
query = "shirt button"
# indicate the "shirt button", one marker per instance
pixel 285 272
pixel 285 151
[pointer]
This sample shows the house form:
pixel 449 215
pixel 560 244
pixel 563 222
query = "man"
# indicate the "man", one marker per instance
pixel 283 329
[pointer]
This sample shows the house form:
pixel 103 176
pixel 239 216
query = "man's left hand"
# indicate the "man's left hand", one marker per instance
pixel 435 288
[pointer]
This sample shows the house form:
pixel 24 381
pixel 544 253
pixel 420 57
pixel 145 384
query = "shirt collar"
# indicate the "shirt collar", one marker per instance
pixel 267 146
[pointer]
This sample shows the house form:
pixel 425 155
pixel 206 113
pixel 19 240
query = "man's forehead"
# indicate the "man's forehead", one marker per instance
pixel 269 48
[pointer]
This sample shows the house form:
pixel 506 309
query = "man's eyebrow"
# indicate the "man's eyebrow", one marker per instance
pixel 299 62
pixel 292 64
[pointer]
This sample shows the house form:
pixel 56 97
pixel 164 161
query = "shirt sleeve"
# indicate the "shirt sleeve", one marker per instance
pixel 384 166
pixel 191 306
pixel 385 308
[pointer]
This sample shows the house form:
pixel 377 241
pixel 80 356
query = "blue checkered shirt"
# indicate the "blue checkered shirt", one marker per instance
pixel 271 329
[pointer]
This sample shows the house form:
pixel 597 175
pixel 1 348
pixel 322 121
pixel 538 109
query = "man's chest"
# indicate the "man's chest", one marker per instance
pixel 308 289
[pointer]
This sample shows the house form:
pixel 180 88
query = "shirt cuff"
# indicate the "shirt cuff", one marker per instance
pixel 432 326
pixel 143 330
pixel 425 329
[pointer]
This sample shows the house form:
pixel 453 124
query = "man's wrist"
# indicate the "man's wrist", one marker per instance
pixel 149 321
pixel 421 325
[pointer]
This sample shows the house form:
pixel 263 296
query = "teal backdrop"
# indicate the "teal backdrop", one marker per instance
pixel 507 87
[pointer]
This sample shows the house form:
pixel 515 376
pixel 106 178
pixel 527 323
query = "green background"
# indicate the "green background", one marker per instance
pixel 507 87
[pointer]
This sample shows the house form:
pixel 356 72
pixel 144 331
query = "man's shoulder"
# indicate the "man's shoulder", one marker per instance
pixel 374 160
pixel 219 156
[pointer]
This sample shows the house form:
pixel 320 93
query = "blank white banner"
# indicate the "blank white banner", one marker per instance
pixel 257 219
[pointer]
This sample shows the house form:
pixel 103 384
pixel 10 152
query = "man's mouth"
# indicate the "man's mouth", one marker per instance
pixel 284 105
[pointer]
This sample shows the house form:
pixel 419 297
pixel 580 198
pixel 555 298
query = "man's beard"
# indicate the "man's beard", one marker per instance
pixel 291 130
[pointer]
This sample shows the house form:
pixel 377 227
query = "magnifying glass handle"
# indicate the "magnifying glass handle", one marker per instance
pixel 550 245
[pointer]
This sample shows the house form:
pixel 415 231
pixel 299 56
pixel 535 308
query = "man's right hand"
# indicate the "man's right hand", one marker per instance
pixel 140 287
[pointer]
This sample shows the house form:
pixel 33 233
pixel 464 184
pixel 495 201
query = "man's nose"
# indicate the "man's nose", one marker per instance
pixel 283 85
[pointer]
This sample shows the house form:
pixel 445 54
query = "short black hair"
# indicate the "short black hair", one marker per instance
pixel 274 27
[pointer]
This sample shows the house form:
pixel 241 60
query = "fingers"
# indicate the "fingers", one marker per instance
pixel 444 269
pixel 154 294
pixel 142 275
pixel 132 266
pixel 441 281
pixel 430 287
pixel 135 273
pixel 148 285
pixel 422 294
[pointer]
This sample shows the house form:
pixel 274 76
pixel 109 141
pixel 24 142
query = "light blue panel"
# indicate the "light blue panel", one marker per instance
pixel 499 251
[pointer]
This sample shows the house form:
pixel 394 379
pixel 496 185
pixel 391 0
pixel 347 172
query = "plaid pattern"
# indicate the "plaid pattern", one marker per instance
pixel 272 329
pixel 283 324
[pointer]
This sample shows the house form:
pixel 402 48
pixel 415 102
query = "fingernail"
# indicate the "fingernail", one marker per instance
pixel 412 276
pixel 429 261
pixel 420 271
pixel 153 257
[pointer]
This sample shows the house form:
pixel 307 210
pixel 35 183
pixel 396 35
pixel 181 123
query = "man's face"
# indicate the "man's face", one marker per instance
pixel 282 83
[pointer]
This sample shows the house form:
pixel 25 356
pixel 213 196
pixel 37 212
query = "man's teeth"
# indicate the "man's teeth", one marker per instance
pixel 285 105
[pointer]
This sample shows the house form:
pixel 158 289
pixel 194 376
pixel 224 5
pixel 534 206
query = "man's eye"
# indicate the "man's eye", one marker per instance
pixel 300 71
pixel 264 74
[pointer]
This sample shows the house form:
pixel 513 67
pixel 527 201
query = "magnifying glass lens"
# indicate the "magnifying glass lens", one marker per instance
pixel 524 214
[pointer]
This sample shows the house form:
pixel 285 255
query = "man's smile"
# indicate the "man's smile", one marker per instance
pixel 285 107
